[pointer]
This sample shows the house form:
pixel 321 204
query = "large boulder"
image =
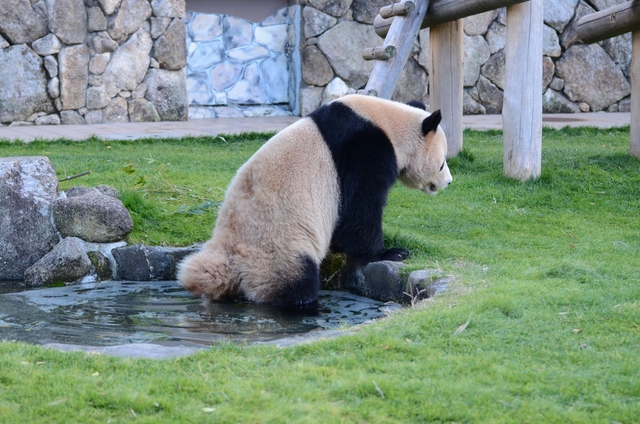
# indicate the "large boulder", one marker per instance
pixel 558 13
pixel 22 67
pixel 20 23
pixel 167 90
pixel 146 263
pixel 335 8
pixel 93 217
pixel 68 20
pixel 171 47
pixel 346 58
pixel 591 76
pixel 66 263
pixel 128 64
pixel 74 76
pixel 128 18
pixel 28 186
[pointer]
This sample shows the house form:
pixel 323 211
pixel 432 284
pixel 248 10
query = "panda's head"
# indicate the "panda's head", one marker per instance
pixel 427 168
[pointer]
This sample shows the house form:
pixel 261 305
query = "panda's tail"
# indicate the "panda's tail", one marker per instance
pixel 206 272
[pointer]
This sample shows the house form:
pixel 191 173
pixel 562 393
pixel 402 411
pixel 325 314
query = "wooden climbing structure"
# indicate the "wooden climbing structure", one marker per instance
pixel 399 25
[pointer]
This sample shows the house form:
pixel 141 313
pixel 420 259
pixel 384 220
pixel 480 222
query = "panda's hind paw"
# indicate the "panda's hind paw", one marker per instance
pixel 396 254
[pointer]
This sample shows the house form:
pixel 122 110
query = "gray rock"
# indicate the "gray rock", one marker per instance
pixel 619 48
pixel 51 65
pixel 168 92
pixel 101 265
pixel 142 110
pixel 376 280
pixel 3 43
pixel 365 11
pixel 19 23
pixel 98 63
pixel 558 13
pixel 494 69
pixel 116 110
pixel 413 83
pixel 591 76
pixel 479 24
pixel 170 49
pixel 310 99
pixel 47 45
pixel 109 6
pixel 335 8
pixel 128 64
pixel 438 286
pixel 206 55
pixel 248 54
pixel 490 95
pixel 94 116
pixel 106 190
pixel 236 32
pixel 97 97
pixel 66 263
pixel 346 58
pixel 556 83
pixel 48 120
pixel 496 37
pixel 147 263
pixel 96 21
pixel 550 42
pixel 476 53
pixel 168 8
pixel 470 106
pixel 128 18
pixel 68 20
pixel 316 69
pixel 26 71
pixel 555 102
pixel 605 4
pixel 103 43
pixel 95 218
pixel 316 22
pixel 71 117
pixel 28 186
pixel 548 71
pixel 334 90
pixel 74 76
pixel 159 26
pixel 424 283
pixel 53 88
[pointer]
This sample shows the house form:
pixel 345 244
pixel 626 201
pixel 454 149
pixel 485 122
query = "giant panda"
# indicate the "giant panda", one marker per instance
pixel 319 184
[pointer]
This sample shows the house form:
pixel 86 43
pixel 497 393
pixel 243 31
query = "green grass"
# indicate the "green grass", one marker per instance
pixel 548 275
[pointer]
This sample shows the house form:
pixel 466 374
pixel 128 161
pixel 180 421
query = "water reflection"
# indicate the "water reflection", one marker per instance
pixel 112 313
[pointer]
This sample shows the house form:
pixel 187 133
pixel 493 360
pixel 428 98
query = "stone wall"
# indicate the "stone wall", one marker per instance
pixel 92 61
pixel 577 77
pixel 240 68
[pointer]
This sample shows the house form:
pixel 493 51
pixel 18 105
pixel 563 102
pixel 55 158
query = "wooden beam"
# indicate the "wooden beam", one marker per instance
pixel 379 53
pixel 403 32
pixel 635 94
pixel 522 107
pixel 396 9
pixel 442 11
pixel 446 81
pixel 610 22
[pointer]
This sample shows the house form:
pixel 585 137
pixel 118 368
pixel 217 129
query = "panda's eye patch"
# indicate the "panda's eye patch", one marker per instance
pixel 442 166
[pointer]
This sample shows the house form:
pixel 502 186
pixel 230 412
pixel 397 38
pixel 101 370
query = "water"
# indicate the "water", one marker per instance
pixel 115 313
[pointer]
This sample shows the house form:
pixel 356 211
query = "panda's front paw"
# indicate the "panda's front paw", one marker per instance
pixel 396 254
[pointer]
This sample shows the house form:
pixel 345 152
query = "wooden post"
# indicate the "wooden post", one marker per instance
pixel 385 74
pixel 522 107
pixel 447 79
pixel 635 94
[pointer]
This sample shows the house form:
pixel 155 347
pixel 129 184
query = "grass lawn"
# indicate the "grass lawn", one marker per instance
pixel 548 279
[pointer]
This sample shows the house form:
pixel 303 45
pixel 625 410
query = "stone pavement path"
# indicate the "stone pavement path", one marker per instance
pixel 209 127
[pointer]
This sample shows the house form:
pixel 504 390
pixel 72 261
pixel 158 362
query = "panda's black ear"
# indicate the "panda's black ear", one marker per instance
pixel 431 122
pixel 418 104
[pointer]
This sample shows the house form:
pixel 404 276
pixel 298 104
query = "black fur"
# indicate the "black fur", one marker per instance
pixel 367 168
pixel 417 104
pixel 300 291
pixel 431 122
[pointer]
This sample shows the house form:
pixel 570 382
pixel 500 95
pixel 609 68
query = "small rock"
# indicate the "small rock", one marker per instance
pixel 66 263
pixel 146 263
pixel 92 217
pixel 101 265
pixel 376 280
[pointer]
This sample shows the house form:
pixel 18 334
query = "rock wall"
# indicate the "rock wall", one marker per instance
pixel 239 68
pixel 577 77
pixel 92 61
